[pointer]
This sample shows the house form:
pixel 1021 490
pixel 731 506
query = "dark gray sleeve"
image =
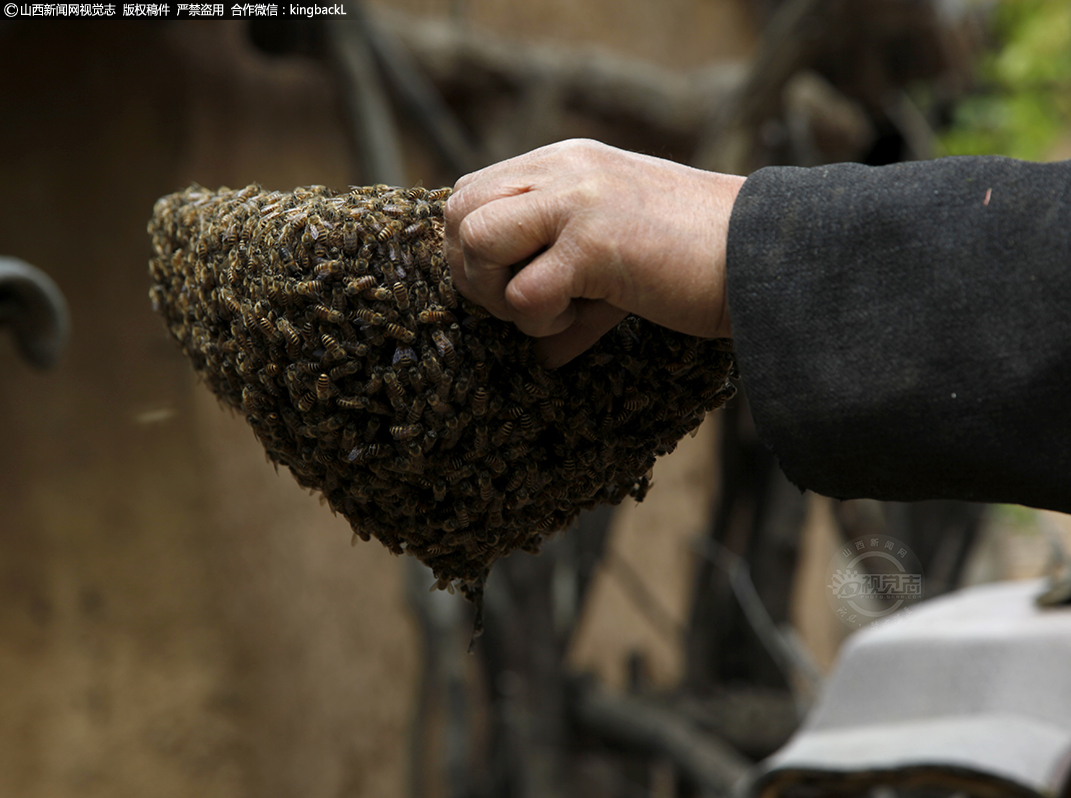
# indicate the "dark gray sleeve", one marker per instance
pixel 904 332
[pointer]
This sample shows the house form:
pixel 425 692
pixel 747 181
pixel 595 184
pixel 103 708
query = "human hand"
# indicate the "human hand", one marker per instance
pixel 568 239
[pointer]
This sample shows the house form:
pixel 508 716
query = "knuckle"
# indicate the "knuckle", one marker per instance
pixel 452 208
pixel 476 233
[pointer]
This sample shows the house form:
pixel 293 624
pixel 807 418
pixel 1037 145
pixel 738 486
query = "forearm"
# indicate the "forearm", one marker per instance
pixel 905 333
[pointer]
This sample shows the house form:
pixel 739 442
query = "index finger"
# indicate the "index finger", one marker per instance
pixel 470 192
pixel 492 241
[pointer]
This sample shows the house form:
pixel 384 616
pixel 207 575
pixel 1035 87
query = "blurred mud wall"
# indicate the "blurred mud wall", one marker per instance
pixel 175 618
pixel 681 34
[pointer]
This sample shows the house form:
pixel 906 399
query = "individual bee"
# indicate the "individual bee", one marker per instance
pixel 453 430
pixel 228 301
pixel 375 382
pixel 269 384
pixel 461 389
pixel 361 454
pixel 382 294
pixel 401 295
pixel 487 490
pixel 331 424
pixel 533 391
pixel 416 378
pixel 400 333
pixel 550 409
pixel 404 432
pixel 443 387
pixel 297 215
pixel 351 233
pixel 386 232
pixel 328 268
pixel 324 313
pixel 332 348
pixel 245 364
pixel 360 285
pixel 496 464
pixel 415 229
pixel 435 316
pixel 316 228
pixel 447 297
pixel 457 474
pixel 480 441
pixel 432 370
pixel 345 370
pixel 268 329
pixel 368 316
pixel 438 405
pixel 632 365
pixel 423 482
pixel 516 479
pixel 289 335
pixel 479 401
pixel 404 356
pixel 479 351
pixel 533 482
pixel 502 434
pixel 309 288
pixel 230 236
pixel 253 400
pixel 446 349
pixel 416 410
pixel 395 392
pixel 323 388
pixel 371 428
pixel 306 402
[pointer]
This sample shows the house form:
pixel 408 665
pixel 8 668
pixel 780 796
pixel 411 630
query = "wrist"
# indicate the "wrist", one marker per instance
pixel 725 189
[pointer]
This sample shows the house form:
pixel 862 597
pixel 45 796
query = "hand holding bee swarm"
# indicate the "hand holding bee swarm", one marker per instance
pixel 331 321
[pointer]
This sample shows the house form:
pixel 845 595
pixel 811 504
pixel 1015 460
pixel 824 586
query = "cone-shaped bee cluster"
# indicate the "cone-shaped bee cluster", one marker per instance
pixel 330 320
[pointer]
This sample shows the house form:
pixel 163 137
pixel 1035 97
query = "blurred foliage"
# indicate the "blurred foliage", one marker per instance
pixel 1023 103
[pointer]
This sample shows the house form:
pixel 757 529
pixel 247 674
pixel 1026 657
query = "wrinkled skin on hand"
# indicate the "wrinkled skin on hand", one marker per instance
pixel 568 239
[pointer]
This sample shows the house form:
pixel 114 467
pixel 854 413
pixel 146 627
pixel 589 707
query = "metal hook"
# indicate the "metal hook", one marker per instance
pixel 33 305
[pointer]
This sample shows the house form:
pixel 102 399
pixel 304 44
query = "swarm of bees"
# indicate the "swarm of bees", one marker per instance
pixel 330 320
